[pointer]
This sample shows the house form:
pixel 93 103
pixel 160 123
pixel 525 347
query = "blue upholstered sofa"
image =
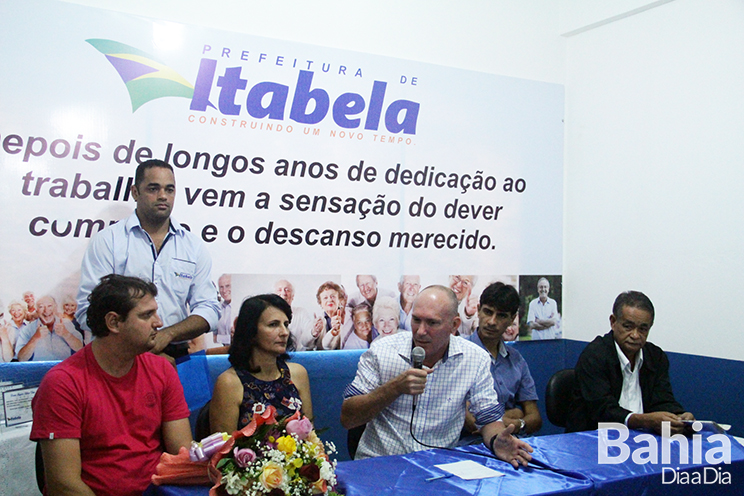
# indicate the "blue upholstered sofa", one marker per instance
pixel 329 372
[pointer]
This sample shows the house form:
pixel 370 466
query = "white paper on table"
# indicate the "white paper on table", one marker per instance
pixel 469 470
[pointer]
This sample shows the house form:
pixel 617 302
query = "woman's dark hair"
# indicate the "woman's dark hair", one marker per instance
pixel 246 328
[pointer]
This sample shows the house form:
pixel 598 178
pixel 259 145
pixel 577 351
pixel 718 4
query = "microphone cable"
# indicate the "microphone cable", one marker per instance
pixel 417 359
pixel 418 355
pixel 534 464
pixel 413 412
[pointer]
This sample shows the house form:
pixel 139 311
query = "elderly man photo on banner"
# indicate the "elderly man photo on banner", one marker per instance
pixel 408 287
pixel 467 302
pixel 543 317
pixel 48 337
pixel 303 321
pixel 368 291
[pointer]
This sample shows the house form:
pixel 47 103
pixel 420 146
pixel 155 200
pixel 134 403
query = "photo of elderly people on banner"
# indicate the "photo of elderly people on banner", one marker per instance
pixel 334 311
pixel 329 311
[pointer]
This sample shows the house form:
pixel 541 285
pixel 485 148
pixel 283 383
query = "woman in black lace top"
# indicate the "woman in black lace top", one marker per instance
pixel 260 374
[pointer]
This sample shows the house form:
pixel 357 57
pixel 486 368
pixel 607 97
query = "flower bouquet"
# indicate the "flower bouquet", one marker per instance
pixel 274 458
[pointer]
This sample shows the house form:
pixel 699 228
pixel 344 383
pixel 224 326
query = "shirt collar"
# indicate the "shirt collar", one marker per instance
pixel 624 362
pixel 173 226
pixel 454 349
pixel 503 349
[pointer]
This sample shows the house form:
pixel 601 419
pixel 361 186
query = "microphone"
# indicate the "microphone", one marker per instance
pixel 417 358
pixel 418 355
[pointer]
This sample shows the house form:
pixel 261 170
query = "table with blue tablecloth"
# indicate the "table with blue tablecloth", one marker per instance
pixel 579 452
pixel 406 475
pixel 566 464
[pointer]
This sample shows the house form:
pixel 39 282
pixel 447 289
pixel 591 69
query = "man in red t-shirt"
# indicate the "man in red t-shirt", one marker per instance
pixel 104 415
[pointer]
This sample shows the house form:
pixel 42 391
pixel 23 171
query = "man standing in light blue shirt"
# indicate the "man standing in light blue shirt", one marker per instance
pixel 151 245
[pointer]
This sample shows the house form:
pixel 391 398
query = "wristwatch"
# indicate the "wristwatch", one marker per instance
pixel 521 426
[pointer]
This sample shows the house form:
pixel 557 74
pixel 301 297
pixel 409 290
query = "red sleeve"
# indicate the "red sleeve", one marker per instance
pixel 57 407
pixel 174 403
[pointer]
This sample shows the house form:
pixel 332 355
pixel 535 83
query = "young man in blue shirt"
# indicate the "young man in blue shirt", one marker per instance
pixel 499 304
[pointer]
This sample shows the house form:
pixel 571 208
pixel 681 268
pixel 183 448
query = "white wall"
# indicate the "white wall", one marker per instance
pixel 654 174
pixel 509 37
pixel 654 127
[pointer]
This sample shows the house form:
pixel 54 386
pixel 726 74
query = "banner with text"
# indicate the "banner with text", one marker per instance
pixel 293 163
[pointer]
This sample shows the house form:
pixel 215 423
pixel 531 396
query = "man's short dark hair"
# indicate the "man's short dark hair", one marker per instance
pixel 118 294
pixel 139 174
pixel 633 299
pixel 502 297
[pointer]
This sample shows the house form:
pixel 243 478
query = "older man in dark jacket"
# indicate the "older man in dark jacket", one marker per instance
pixel 620 377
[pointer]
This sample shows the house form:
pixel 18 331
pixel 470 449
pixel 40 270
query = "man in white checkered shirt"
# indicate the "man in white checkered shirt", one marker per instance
pixel 455 372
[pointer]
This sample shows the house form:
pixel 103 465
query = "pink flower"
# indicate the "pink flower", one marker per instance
pixel 264 415
pixel 301 428
pixel 244 456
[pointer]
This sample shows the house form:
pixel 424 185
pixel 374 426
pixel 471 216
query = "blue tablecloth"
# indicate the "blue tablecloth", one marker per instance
pixel 579 452
pixel 405 476
pixel 572 468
